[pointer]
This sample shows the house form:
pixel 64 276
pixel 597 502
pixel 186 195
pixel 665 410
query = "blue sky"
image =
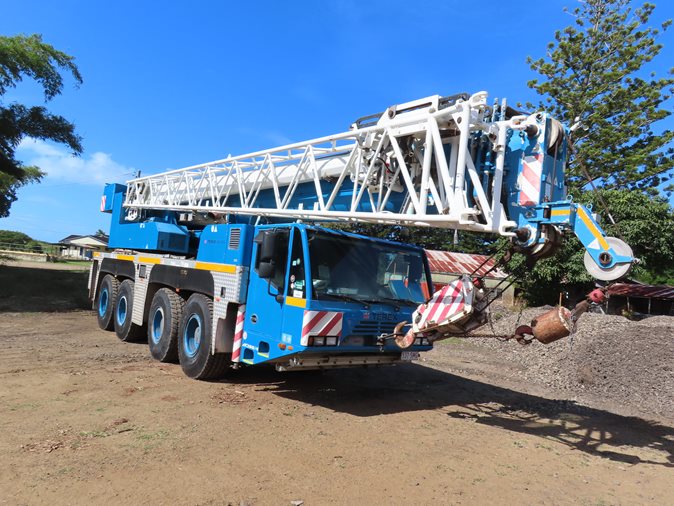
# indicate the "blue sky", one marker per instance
pixel 171 84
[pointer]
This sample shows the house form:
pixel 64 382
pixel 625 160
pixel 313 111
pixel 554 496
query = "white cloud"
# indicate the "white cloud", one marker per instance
pixel 95 169
pixel 308 93
pixel 272 137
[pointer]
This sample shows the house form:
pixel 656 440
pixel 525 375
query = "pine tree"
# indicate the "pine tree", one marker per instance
pixel 596 72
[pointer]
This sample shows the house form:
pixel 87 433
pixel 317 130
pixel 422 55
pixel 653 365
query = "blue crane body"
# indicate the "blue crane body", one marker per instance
pixel 222 265
pixel 319 301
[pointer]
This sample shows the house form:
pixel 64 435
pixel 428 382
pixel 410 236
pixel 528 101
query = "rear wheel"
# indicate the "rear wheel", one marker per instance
pixel 106 301
pixel 124 328
pixel 195 338
pixel 163 325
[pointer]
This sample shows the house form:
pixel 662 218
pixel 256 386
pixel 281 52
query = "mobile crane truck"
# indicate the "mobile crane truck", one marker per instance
pixel 221 265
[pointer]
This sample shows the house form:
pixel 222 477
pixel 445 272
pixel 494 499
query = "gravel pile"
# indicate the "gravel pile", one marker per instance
pixel 610 357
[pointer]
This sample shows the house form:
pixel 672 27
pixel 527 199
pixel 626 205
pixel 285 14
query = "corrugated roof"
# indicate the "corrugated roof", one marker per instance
pixel 70 238
pixel 446 262
pixel 100 240
pixel 645 291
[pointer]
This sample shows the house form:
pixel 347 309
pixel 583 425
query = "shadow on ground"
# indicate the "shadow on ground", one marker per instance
pixel 414 387
pixel 27 289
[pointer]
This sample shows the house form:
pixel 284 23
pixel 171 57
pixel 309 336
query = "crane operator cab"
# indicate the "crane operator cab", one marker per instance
pixel 311 290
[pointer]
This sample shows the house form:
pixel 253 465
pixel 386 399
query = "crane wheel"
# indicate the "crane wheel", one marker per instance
pixel 106 301
pixel 163 325
pixel 125 329
pixel 195 340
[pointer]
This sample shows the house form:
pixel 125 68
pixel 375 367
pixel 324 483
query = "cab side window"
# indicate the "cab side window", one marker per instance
pixel 278 257
pixel 281 261
pixel 297 282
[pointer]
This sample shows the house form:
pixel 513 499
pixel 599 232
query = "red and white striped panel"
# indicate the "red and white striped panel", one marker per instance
pixel 530 180
pixel 444 304
pixel 321 323
pixel 238 333
pixel 103 203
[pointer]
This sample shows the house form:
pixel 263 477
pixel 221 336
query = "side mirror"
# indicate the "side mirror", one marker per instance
pixel 267 244
pixel 266 270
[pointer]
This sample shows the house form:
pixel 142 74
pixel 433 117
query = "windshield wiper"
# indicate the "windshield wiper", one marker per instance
pixel 346 297
pixel 395 301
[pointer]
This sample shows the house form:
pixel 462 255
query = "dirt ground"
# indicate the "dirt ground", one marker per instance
pixel 86 419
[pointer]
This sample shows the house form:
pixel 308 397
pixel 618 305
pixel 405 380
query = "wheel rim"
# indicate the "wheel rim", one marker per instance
pixel 103 302
pixel 192 335
pixel 122 308
pixel 157 325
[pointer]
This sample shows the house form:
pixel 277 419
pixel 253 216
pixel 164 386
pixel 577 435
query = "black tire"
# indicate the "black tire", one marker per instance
pixel 163 324
pixel 106 300
pixel 194 341
pixel 124 328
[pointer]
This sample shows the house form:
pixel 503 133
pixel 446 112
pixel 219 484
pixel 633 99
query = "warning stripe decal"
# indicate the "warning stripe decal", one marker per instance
pixel 592 228
pixel 190 264
pixel 238 333
pixel 321 323
pixel 444 304
pixel 530 180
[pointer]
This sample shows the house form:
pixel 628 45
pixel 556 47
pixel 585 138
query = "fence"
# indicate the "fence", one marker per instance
pixel 49 249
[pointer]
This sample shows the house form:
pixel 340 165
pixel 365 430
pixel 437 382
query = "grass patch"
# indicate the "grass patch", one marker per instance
pixel 94 433
pixel 451 341
pixel 84 263
pixel 24 406
pixel 34 289
pixel 148 441
pixel 151 436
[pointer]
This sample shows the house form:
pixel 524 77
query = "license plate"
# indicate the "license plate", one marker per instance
pixel 408 356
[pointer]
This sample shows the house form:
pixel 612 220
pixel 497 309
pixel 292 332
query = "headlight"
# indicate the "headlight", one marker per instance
pixel 323 340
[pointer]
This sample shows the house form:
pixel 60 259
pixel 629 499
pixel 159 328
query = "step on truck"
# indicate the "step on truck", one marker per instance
pixel 224 265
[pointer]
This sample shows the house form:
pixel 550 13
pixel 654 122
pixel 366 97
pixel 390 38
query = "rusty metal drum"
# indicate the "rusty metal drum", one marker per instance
pixel 553 325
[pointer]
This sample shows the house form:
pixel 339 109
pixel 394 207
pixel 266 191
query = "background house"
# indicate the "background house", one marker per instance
pixel 638 299
pixel 82 247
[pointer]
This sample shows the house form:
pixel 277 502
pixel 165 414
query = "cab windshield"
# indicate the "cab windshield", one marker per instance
pixel 354 269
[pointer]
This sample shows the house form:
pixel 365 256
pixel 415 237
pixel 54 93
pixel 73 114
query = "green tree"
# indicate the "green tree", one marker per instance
pixel 10 239
pixel 595 71
pixel 13 237
pixel 9 186
pixel 20 57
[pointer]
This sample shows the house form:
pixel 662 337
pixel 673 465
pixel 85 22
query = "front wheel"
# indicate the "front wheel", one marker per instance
pixel 125 329
pixel 195 339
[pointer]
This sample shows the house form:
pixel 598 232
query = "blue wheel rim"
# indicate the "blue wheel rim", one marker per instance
pixel 103 302
pixel 192 335
pixel 122 308
pixel 157 325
